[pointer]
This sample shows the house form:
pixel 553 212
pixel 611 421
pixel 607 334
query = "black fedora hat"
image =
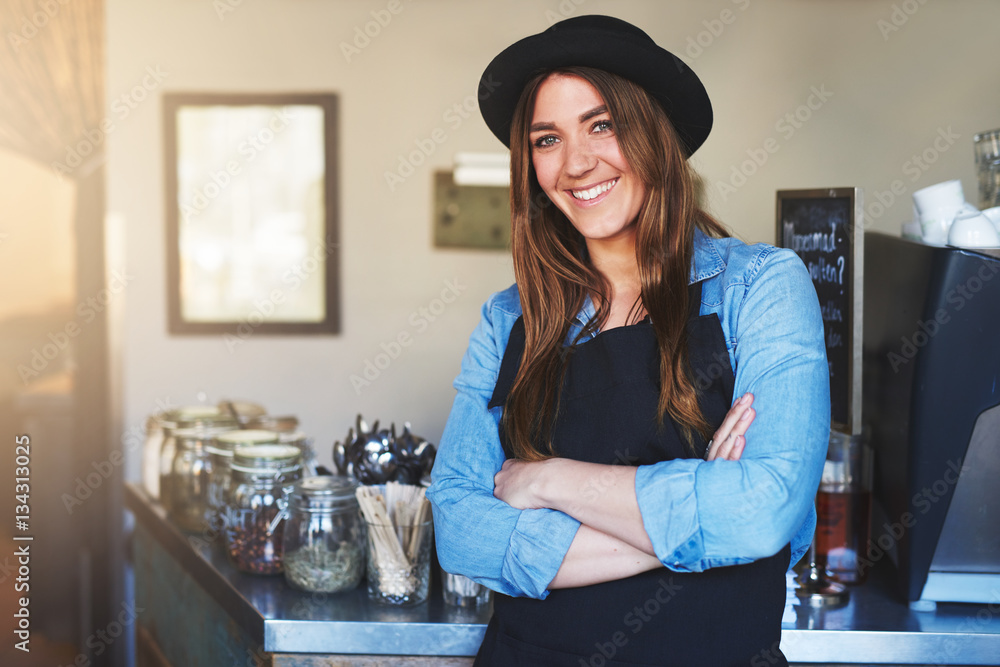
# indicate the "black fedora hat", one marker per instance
pixel 601 42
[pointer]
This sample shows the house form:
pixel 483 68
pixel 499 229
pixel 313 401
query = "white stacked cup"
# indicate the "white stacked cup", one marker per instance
pixel 973 230
pixel 937 206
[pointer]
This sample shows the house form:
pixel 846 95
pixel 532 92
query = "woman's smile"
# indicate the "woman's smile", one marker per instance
pixel 592 194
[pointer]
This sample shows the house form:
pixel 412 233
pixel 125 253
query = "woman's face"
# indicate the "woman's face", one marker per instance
pixel 578 163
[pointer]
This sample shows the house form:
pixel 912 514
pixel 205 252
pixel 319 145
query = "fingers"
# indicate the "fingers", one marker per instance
pixel 731 448
pixel 735 421
pixel 729 440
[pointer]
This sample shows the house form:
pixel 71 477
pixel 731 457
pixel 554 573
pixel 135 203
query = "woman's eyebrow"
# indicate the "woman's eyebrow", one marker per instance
pixel 535 127
pixel 596 111
pixel 584 117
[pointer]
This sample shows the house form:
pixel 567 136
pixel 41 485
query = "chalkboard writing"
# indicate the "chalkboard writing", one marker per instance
pixel 818 226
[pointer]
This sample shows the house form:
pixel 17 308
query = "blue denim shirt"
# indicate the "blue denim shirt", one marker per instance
pixel 698 514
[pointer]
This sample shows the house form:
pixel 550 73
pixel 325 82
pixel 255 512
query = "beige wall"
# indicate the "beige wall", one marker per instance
pixel 888 96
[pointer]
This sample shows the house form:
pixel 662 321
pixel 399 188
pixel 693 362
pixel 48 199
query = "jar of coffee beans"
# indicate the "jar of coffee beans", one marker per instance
pixel 262 477
pixel 220 459
pixel 324 537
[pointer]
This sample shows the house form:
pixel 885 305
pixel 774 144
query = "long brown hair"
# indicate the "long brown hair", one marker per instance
pixel 554 274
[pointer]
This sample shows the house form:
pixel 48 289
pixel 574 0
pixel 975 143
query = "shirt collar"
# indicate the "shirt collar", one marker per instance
pixel 706 260
pixel 705 263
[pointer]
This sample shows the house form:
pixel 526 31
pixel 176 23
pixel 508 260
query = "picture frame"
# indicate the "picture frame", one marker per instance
pixel 825 228
pixel 251 213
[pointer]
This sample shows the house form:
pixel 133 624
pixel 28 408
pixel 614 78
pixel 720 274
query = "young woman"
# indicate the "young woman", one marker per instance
pixel 594 470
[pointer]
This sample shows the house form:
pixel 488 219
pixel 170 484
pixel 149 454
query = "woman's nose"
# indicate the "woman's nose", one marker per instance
pixel 580 159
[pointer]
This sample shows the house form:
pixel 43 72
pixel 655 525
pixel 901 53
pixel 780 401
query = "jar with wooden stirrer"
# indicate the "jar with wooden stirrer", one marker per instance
pixel 400 542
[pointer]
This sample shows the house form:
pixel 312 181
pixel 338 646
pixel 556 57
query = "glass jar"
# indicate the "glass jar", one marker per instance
pixel 843 508
pixel 324 537
pixel 286 426
pixel 305 446
pixel 276 423
pixel 243 411
pixel 151 454
pixel 220 451
pixel 262 477
pixel 189 478
pixel 987 146
pixel 203 417
pixel 156 426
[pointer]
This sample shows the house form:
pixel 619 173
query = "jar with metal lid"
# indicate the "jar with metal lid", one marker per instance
pixel 276 423
pixel 243 411
pixel 286 426
pixel 262 477
pixel 157 425
pixel 324 536
pixel 204 418
pixel 189 478
pixel 305 445
pixel 220 451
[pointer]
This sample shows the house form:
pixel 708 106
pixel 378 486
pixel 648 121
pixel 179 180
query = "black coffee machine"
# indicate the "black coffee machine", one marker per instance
pixel 931 393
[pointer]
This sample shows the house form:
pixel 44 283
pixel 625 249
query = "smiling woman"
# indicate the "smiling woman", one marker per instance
pixel 583 474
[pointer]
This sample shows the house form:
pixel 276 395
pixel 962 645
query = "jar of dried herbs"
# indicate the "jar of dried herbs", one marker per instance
pixel 262 477
pixel 220 458
pixel 324 538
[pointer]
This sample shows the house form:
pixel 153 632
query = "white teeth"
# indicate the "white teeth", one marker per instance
pixel 586 195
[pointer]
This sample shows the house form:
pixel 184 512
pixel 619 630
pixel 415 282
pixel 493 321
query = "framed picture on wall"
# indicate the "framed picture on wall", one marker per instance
pixel 251 192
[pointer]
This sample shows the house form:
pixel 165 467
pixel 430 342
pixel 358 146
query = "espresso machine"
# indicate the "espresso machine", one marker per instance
pixel 931 399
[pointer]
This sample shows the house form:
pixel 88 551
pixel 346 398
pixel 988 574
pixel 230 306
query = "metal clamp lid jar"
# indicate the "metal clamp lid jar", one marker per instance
pixel 277 423
pixel 189 477
pixel 262 476
pixel 324 536
pixel 208 421
pixel 286 426
pixel 158 425
pixel 220 451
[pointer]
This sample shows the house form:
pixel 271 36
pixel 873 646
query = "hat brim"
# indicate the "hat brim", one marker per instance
pixel 605 43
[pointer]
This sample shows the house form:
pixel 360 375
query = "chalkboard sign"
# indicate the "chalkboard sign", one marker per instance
pixel 824 228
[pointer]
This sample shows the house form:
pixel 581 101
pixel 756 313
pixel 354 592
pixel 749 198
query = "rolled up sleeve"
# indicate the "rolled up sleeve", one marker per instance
pixel 707 514
pixel 516 552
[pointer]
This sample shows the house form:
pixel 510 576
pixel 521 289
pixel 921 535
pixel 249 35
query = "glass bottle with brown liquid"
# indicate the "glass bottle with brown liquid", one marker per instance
pixel 843 509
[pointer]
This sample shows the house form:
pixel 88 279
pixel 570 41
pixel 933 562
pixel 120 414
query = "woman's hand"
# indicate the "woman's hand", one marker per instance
pixel 520 483
pixel 729 440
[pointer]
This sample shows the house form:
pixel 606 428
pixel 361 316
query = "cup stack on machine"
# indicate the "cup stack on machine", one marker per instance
pixel 942 216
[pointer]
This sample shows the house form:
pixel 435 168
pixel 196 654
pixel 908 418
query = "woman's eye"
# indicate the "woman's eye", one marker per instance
pixel 544 142
pixel 602 126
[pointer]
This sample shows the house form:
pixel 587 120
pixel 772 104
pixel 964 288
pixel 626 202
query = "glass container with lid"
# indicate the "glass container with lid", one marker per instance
pixel 206 419
pixel 157 425
pixel 286 426
pixel 262 477
pixel 305 445
pixel 243 411
pixel 324 536
pixel 277 423
pixel 189 476
pixel 220 451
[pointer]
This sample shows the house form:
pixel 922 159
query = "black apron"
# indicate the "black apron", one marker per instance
pixel 725 616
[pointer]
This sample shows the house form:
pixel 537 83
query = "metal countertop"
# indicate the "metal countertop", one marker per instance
pixel 874 628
